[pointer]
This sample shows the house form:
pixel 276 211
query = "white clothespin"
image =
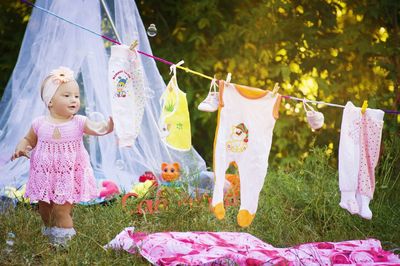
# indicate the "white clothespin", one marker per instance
pixel 228 78
pixel 172 68
pixel 214 82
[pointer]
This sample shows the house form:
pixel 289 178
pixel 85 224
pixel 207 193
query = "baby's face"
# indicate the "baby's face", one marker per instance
pixel 66 100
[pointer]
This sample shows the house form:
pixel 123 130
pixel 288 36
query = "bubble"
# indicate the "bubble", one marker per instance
pixel 96 116
pixel 100 124
pixel 120 164
pixel 152 30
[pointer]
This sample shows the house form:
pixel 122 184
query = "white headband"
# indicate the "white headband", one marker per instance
pixel 56 77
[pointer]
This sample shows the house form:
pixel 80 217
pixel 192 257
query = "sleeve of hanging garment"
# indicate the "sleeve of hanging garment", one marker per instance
pixel 124 100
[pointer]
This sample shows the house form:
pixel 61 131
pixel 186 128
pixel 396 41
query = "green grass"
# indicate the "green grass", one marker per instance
pixel 297 205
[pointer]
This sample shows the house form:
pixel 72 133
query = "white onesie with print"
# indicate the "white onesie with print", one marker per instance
pixel 126 85
pixel 244 135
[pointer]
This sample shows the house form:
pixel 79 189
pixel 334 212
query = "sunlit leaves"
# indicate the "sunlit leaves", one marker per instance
pixel 381 35
pixel 308 86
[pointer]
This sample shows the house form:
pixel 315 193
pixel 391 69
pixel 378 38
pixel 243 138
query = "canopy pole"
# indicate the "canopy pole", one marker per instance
pixel 103 3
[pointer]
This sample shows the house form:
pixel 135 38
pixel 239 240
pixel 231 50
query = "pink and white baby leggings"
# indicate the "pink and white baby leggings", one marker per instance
pixel 360 140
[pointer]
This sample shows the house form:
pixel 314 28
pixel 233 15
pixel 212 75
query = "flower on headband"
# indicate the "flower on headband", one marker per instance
pixel 62 75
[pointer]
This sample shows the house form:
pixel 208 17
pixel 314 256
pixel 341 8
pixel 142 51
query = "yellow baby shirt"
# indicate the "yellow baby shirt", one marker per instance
pixel 175 120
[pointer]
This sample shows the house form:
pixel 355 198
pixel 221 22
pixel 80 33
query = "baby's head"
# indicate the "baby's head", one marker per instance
pixel 60 92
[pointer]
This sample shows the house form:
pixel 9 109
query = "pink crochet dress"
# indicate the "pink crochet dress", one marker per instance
pixel 60 169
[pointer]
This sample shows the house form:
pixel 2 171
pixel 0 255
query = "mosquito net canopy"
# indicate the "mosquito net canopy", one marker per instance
pixel 50 42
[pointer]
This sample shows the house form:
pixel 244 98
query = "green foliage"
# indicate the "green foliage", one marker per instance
pixel 388 172
pixel 298 204
pixel 14 16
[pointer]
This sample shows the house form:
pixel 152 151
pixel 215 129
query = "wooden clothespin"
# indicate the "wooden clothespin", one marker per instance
pixel 133 45
pixel 276 89
pixel 364 107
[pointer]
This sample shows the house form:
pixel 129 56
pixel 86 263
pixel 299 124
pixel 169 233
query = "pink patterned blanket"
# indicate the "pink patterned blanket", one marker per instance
pixel 231 248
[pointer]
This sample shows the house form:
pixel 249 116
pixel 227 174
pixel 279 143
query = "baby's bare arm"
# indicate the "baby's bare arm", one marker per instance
pixel 25 145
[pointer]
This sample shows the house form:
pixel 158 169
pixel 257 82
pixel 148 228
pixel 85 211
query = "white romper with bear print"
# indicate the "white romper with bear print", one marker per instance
pixel 244 134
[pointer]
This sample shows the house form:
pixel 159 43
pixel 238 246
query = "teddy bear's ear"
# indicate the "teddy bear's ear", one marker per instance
pixel 176 166
pixel 163 165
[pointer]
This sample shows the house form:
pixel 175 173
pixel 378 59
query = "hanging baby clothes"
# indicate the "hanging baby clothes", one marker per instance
pixel 126 83
pixel 314 118
pixel 246 118
pixel 175 120
pixel 210 103
pixel 360 140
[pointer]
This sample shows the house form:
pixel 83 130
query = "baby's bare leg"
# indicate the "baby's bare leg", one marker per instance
pixel 61 219
pixel 61 215
pixel 45 212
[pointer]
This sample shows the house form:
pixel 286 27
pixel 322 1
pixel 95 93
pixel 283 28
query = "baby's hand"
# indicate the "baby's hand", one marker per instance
pixel 21 152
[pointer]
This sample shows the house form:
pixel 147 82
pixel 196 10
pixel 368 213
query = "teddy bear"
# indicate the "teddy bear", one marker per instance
pixel 170 173
pixel 169 185
pixel 239 138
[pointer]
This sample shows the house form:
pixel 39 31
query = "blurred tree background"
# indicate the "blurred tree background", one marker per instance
pixel 333 51
pixel 14 16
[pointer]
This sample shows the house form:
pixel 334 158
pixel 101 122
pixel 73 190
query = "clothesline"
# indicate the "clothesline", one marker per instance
pixel 162 60
pixel 312 101
pixel 332 104
pixel 180 67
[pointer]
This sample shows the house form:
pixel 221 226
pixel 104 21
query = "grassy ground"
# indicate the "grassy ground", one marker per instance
pixel 298 204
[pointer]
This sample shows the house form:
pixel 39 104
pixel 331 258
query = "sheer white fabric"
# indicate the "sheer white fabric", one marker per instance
pixel 49 43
